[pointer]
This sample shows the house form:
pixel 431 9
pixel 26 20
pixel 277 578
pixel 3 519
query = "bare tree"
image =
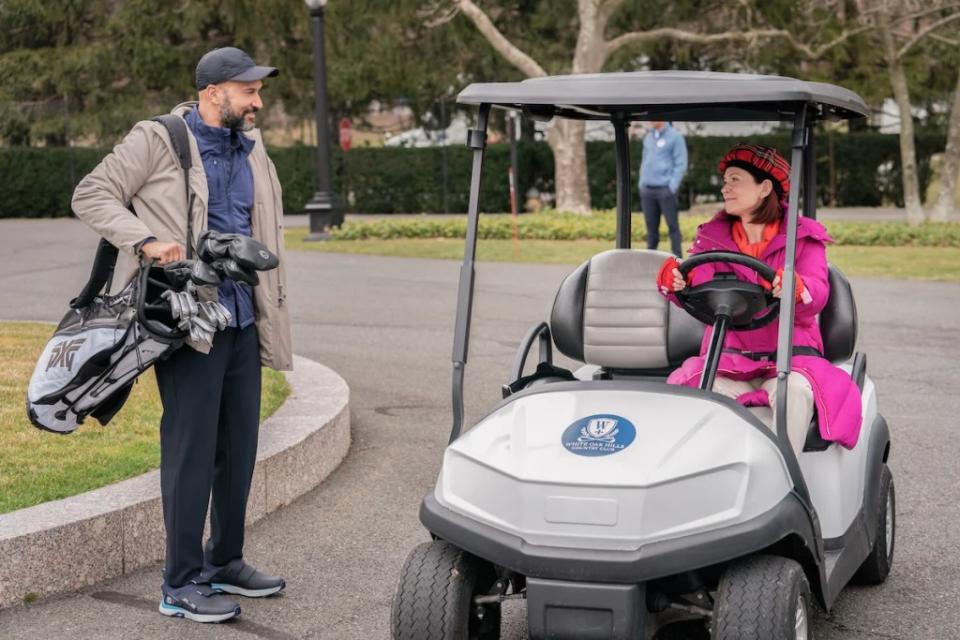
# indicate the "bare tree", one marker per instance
pixel 593 49
pixel 944 207
pixel 899 26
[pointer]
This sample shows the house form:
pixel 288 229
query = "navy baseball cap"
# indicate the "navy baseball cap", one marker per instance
pixel 229 63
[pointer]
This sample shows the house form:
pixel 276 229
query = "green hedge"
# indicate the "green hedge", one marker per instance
pixel 38 182
pixel 602 226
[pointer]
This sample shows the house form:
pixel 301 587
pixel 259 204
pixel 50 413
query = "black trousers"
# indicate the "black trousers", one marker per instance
pixel 208 442
pixel 657 200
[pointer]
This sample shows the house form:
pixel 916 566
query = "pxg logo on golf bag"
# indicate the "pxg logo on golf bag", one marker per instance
pixel 599 435
pixel 63 353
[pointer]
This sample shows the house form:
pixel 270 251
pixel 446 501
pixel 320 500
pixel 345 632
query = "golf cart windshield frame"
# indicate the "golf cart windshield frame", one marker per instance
pixel 761 98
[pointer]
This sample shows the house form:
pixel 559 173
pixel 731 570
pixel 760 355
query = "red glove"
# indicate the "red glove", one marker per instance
pixel 801 288
pixel 665 275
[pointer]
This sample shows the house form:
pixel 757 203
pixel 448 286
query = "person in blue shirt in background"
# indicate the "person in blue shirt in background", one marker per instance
pixel 661 170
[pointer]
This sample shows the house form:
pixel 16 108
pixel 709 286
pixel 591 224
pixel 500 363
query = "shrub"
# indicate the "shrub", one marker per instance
pixel 602 226
pixel 39 181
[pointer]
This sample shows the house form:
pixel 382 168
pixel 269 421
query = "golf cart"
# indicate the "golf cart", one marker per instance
pixel 618 506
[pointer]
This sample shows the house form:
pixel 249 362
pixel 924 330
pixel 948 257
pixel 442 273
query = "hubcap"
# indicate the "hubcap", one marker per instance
pixel 800 623
pixel 889 524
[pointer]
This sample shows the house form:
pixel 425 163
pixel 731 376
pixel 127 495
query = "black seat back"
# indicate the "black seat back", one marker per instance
pixel 838 319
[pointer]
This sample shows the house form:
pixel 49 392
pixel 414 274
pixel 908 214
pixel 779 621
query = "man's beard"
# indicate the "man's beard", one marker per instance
pixel 234 121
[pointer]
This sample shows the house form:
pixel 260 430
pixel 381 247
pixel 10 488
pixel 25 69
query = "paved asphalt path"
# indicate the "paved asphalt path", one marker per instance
pixel 385 324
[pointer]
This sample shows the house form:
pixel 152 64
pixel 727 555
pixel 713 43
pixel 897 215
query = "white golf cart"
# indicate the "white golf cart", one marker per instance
pixel 618 506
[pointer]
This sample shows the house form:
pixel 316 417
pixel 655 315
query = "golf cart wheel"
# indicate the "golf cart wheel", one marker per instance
pixel 876 567
pixel 763 598
pixel 434 600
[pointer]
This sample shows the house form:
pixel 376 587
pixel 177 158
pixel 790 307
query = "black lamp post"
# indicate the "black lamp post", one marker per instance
pixel 325 208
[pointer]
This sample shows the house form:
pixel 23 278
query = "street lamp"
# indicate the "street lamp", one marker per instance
pixel 325 208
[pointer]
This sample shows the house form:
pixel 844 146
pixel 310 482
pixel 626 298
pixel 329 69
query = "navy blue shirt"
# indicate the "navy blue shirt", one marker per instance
pixel 230 182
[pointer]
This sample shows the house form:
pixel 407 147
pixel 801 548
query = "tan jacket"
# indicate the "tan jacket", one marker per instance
pixel 143 170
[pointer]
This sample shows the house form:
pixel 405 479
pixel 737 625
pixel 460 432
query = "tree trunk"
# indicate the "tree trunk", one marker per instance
pixel 908 153
pixel 566 139
pixel 951 163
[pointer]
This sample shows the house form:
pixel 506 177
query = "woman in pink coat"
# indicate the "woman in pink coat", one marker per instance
pixel 756 181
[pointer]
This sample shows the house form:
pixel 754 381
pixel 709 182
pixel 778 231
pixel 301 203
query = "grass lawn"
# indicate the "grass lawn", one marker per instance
pixel 36 466
pixel 927 263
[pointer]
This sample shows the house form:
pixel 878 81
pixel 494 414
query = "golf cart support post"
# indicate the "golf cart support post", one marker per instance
pixel 621 98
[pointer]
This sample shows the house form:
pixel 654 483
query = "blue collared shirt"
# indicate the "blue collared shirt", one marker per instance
pixel 230 182
pixel 664 159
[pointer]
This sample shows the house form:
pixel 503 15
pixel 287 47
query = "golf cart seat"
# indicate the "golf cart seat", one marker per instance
pixel 608 312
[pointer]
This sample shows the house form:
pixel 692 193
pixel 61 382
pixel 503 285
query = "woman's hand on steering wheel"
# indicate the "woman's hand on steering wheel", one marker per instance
pixel 678 282
pixel 669 279
pixel 776 287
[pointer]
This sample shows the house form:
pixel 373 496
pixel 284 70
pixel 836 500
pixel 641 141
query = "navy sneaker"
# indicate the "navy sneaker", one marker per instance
pixel 240 578
pixel 198 602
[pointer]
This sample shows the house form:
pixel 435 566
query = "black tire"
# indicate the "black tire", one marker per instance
pixel 759 598
pixel 876 567
pixel 434 599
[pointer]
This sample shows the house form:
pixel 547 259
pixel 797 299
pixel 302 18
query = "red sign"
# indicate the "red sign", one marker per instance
pixel 346 134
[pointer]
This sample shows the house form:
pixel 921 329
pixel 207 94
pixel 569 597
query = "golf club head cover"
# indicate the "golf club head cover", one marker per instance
pixel 177 273
pixel 195 271
pixel 246 251
pixel 203 274
pixel 229 268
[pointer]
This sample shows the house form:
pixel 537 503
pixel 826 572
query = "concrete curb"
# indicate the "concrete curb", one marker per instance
pixel 68 544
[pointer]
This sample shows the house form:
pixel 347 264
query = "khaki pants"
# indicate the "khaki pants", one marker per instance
pixel 799 402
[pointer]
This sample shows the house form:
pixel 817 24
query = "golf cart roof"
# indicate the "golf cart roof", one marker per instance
pixel 701 96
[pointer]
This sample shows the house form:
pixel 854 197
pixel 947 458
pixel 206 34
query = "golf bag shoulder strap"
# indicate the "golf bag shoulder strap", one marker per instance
pixel 106 257
pixel 100 274
pixel 177 128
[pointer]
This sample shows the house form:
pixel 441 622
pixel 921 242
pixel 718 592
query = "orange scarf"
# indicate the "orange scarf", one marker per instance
pixel 756 249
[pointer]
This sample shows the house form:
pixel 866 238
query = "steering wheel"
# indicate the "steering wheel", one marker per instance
pixel 748 305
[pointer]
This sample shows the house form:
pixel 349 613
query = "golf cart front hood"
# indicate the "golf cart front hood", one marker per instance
pixel 612 469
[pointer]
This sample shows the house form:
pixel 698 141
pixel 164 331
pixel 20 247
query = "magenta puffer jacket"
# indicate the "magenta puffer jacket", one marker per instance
pixel 836 395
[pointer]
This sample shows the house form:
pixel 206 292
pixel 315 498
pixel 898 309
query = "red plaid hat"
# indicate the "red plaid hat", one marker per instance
pixel 763 163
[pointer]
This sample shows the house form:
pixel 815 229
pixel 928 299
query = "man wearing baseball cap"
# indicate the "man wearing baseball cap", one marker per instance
pixel 210 397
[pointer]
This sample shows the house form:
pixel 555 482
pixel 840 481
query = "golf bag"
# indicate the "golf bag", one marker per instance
pixel 101 346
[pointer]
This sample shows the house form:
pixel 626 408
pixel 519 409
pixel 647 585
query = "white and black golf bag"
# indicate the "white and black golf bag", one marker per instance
pixel 100 347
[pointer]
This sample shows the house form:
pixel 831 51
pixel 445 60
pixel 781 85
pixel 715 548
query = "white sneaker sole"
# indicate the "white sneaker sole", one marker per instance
pixel 249 593
pixel 179 612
